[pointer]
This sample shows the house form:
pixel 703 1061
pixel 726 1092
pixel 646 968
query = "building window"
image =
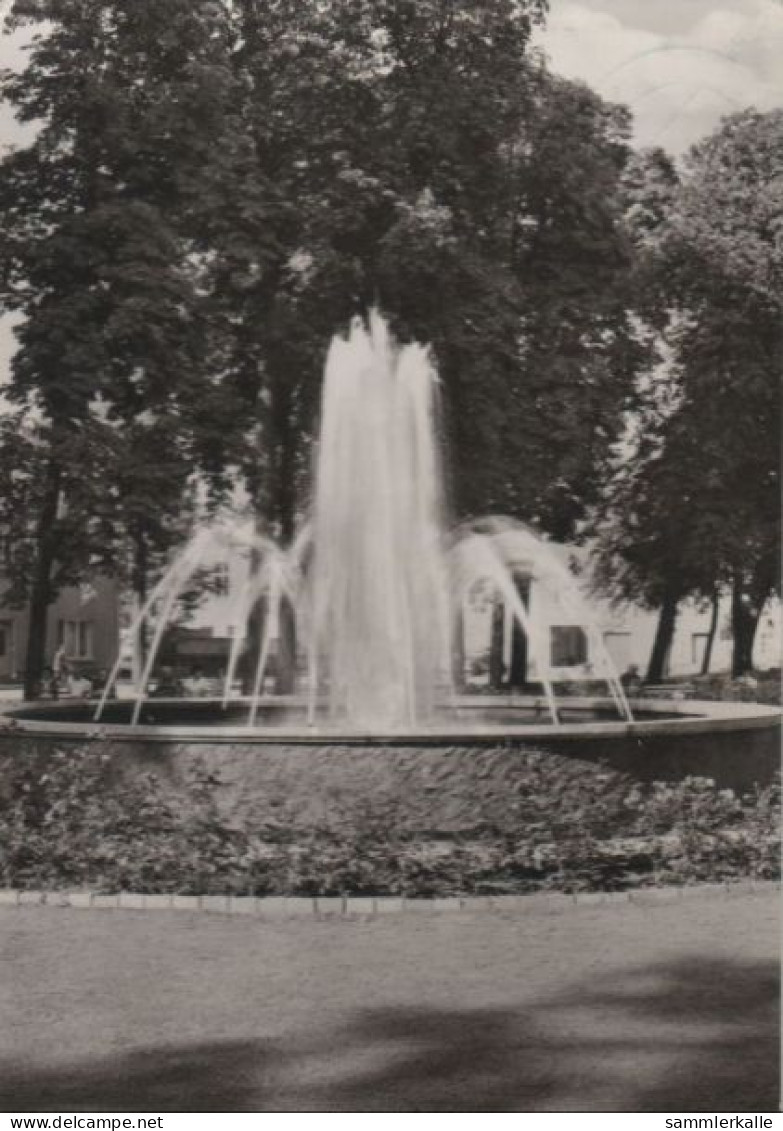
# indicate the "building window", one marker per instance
pixel 6 628
pixel 76 636
pixel 569 646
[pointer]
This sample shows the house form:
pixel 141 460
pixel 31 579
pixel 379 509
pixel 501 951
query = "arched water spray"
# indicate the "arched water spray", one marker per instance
pixel 493 551
pixel 478 557
pixel 374 593
pixel 166 591
pixel 181 575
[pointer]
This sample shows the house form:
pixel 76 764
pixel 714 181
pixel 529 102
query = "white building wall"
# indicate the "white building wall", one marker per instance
pixel 628 632
pixel 219 611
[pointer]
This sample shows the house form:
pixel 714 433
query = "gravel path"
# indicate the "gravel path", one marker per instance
pixel 620 1007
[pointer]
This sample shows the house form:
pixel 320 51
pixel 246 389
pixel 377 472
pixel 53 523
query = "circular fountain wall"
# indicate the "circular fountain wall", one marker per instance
pixel 438 776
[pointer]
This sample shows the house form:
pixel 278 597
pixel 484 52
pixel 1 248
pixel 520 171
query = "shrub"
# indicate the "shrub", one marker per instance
pixel 72 820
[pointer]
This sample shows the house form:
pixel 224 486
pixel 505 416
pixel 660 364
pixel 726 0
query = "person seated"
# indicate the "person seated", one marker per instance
pixel 631 680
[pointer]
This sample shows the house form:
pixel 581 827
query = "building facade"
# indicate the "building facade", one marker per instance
pixel 569 645
pixel 83 620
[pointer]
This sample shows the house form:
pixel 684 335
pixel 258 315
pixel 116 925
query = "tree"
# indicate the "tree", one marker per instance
pixel 217 186
pixel 450 179
pixel 701 508
pixel 653 546
pixel 400 157
pixel 97 256
pixel 724 243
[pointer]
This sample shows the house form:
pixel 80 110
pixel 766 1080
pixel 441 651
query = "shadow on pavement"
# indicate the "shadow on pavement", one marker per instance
pixel 686 1036
pixel 199 1077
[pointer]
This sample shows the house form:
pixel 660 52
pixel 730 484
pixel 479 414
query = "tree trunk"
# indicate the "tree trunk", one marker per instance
pixel 458 651
pixel 41 595
pixel 283 477
pixel 254 629
pixel 744 621
pixel 664 635
pixel 283 507
pixel 285 680
pixel 139 583
pixel 496 646
pixel 517 676
pixel 711 633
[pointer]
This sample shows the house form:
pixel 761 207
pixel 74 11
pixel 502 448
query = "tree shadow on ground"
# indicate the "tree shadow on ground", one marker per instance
pixel 726 1016
pixel 685 1036
pixel 220 1076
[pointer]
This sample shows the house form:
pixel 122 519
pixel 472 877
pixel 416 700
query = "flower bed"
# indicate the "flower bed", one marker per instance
pixel 77 824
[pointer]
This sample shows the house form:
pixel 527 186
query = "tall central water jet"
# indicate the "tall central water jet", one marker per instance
pixel 375 595
pixel 380 612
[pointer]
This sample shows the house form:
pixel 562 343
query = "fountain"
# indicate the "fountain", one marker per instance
pixel 373 584
pixel 376 590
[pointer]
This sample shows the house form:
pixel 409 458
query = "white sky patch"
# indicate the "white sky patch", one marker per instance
pixel 12 56
pixel 681 73
pixel 8 344
pixel 12 133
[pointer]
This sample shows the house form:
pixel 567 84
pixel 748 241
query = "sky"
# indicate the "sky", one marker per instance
pixel 679 64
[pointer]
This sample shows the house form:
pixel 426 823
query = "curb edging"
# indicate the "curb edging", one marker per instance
pixel 372 907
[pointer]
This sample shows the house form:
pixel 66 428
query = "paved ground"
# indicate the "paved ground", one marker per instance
pixel 620 1007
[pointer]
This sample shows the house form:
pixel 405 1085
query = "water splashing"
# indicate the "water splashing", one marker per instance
pixel 380 595
pixel 374 591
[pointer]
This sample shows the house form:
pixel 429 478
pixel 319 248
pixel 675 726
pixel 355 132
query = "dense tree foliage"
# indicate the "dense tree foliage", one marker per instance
pixel 96 257
pixel 418 157
pixel 215 186
pixel 698 506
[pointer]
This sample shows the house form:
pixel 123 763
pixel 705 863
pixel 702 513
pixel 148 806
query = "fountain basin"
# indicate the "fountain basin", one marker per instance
pixel 439 774
pixel 481 719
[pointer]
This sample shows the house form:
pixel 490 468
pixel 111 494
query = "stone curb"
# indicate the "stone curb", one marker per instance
pixel 372 907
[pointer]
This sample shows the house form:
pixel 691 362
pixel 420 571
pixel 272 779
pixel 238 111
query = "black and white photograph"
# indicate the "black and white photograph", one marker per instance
pixel 390 572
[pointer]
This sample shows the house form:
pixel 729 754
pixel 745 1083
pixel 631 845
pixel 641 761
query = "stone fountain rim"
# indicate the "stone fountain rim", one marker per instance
pixel 692 716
